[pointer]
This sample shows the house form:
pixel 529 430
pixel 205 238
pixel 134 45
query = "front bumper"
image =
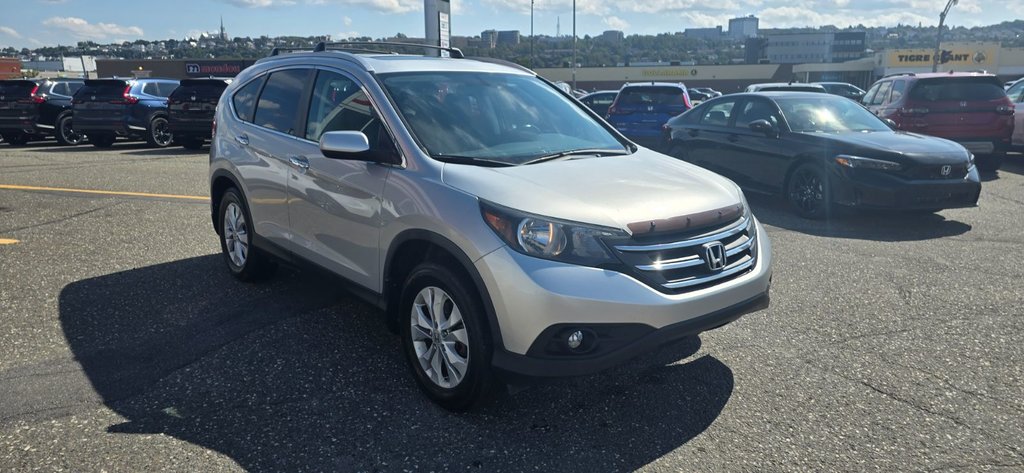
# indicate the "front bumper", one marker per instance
pixel 537 301
pixel 879 190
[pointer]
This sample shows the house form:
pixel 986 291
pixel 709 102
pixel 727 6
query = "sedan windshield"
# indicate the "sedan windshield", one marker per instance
pixel 828 115
pixel 495 118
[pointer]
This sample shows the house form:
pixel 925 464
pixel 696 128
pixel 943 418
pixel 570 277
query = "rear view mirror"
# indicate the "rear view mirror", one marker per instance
pixel 763 126
pixel 344 145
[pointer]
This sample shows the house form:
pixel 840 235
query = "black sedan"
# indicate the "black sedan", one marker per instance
pixel 819 150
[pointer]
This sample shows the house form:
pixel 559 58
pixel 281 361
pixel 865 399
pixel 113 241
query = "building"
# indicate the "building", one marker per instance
pixel 710 34
pixel 508 38
pixel 10 68
pixel 489 38
pixel 753 50
pixel 743 27
pixel 801 48
pixel 613 36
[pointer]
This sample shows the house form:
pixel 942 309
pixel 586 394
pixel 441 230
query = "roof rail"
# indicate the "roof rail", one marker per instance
pixel 342 45
pixel 894 74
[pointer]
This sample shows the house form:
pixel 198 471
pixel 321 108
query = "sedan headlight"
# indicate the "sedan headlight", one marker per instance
pixel 857 162
pixel 549 238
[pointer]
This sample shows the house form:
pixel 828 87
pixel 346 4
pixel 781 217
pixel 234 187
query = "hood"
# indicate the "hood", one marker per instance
pixel 612 191
pixel 919 149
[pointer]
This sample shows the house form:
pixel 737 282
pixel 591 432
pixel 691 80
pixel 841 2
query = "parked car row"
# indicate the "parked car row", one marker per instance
pixel 158 111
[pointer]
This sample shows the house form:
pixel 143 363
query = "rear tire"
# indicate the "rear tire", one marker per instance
pixel 19 139
pixel 245 261
pixel 65 134
pixel 191 143
pixel 102 140
pixel 157 134
pixel 809 193
pixel 445 338
pixel 989 162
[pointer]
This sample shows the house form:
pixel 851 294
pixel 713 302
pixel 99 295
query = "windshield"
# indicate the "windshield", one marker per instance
pixel 828 115
pixel 503 118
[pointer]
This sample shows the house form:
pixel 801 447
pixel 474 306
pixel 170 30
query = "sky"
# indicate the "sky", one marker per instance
pixel 34 23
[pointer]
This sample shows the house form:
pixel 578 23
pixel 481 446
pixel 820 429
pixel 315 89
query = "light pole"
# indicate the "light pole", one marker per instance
pixel 938 36
pixel 531 35
pixel 573 44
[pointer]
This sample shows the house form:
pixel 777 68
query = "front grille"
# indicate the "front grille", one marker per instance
pixel 956 171
pixel 677 263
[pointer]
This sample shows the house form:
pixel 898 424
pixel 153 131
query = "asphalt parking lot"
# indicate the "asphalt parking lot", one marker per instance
pixel 893 342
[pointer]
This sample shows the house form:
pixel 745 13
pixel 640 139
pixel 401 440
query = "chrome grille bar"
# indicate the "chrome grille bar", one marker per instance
pixel 739 266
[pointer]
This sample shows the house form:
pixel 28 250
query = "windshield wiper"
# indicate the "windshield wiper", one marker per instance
pixel 491 163
pixel 577 152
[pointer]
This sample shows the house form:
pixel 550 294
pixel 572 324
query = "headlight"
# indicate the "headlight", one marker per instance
pixel 857 162
pixel 970 160
pixel 549 238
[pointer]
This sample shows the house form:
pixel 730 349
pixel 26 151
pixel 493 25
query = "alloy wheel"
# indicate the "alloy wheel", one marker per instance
pixel 69 134
pixel 808 192
pixel 439 337
pixel 236 235
pixel 161 135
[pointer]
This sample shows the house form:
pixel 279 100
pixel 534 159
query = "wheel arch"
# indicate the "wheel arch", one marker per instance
pixel 220 182
pixel 412 247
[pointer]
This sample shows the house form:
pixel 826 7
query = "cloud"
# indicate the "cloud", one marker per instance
pixel 386 6
pixel 347 21
pixel 8 31
pixel 82 29
pixel 615 23
pixel 796 17
pixel 260 3
pixel 584 7
pixel 704 20
pixel 686 6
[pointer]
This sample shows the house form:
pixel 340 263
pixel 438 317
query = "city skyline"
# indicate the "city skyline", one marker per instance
pixel 52 22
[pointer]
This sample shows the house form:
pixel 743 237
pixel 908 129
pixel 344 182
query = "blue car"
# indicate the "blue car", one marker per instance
pixel 105 109
pixel 640 111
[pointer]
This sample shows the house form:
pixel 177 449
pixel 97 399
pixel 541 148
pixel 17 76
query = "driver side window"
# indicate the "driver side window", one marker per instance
pixel 757 109
pixel 718 114
pixel 1016 91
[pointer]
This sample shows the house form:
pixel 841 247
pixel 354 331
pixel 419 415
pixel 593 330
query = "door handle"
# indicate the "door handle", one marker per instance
pixel 242 140
pixel 299 162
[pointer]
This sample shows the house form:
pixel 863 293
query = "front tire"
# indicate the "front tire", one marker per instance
pixel 809 193
pixel 445 339
pixel 66 135
pixel 158 136
pixel 246 262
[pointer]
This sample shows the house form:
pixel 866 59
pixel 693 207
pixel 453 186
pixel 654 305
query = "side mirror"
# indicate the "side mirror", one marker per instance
pixel 763 126
pixel 892 124
pixel 353 145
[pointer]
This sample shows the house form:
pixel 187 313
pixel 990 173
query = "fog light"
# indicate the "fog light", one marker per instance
pixel 575 339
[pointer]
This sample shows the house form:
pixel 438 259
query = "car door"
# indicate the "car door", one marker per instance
pixel 266 139
pixel 708 147
pixel 758 160
pixel 1016 94
pixel 334 205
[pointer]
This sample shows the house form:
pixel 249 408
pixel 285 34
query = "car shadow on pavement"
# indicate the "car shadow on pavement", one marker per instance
pixel 295 374
pixel 877 225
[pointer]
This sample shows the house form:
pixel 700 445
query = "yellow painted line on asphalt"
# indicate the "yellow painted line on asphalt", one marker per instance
pixel 7 241
pixel 102 192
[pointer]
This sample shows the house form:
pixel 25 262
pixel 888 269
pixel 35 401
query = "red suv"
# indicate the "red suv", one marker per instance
pixel 969 108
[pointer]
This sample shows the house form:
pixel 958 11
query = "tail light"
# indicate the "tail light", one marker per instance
pixel 686 101
pixel 213 128
pixel 126 98
pixel 1005 109
pixel 37 98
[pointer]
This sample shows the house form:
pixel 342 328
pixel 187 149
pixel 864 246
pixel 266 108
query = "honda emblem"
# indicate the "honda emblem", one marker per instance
pixel 963 104
pixel 946 170
pixel 714 255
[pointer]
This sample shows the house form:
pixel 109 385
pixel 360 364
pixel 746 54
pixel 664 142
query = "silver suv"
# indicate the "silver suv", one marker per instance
pixel 501 226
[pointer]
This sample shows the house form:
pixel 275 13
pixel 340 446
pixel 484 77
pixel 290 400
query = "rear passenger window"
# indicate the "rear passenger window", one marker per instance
pixel 151 88
pixel 278 106
pixel 339 104
pixel 883 92
pixel 898 86
pixel 245 99
pixel 718 114
pixel 73 87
